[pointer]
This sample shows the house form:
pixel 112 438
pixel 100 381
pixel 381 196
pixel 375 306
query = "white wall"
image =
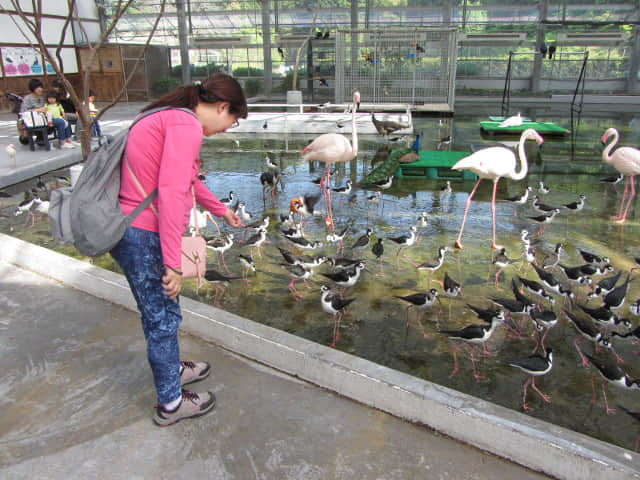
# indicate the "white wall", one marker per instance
pixel 19 59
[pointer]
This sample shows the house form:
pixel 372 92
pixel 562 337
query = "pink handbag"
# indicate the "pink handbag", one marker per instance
pixel 194 252
pixel 193 248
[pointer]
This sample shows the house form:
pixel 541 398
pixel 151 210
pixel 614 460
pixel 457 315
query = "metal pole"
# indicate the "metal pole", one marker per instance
pixel 266 47
pixel 506 92
pixel 183 38
pixel 446 13
pixel 355 52
pixel 540 34
pixel 632 81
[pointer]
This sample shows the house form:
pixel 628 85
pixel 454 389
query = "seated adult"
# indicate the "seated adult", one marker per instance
pixel 70 112
pixel 35 102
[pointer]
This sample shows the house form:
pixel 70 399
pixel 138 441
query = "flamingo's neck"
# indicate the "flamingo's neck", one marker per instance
pixel 606 154
pixel 522 156
pixel 354 133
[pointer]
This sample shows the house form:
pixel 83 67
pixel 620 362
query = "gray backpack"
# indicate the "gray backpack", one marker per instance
pixel 88 215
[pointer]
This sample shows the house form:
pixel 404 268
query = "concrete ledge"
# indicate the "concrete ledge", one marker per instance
pixel 56 161
pixel 520 438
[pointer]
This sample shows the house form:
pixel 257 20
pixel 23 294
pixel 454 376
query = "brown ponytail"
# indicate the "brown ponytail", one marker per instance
pixel 219 87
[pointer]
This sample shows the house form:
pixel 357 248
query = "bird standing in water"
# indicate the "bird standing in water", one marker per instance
pixel 611 373
pixel 433 264
pixel 378 251
pixel 336 306
pixel 473 334
pixel 419 301
pixel 627 161
pixel 451 289
pixel 494 163
pixel 330 148
pixel 535 365
pixel 519 200
pixel 405 241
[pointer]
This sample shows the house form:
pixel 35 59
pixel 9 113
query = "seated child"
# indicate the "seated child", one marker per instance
pixel 93 112
pixel 55 111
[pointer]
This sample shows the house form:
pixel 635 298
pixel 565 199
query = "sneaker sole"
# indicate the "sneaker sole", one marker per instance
pixel 202 376
pixel 161 422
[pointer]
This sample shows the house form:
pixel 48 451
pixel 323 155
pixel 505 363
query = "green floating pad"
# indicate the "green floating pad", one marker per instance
pixel 436 165
pixel 548 128
pixel 501 119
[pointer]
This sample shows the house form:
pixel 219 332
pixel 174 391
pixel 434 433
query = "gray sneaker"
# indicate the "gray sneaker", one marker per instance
pixel 194 372
pixel 191 405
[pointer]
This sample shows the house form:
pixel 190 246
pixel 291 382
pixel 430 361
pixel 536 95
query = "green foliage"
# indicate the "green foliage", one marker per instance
pixel 248 72
pixel 164 85
pixel 200 70
pixel 287 82
pixel 252 87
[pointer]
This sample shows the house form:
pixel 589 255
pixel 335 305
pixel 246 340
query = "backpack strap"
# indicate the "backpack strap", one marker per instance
pixel 148 198
pixel 154 194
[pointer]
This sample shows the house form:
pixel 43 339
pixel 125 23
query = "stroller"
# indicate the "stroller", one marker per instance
pixel 27 136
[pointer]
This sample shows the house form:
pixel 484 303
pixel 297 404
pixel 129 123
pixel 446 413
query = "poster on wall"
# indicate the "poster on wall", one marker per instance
pixel 19 61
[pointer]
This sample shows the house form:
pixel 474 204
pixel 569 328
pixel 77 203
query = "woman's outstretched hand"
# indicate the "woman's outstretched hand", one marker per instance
pixel 231 218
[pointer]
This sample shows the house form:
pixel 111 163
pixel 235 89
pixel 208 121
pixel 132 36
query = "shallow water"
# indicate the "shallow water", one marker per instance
pixel 375 327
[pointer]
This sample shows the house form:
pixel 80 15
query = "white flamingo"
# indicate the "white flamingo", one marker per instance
pixel 11 152
pixel 513 121
pixel 494 163
pixel 330 148
pixel 627 161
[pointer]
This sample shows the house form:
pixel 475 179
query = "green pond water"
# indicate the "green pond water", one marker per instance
pixel 375 327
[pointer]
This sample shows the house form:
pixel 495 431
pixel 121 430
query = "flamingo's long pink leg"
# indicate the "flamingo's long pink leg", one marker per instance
pixel 633 194
pixel 493 215
pixel 458 243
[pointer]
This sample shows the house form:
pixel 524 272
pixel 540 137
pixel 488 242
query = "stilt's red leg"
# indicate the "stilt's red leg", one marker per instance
pixel 473 365
pixel 606 403
pixel 455 359
pixel 526 407
pixel 546 398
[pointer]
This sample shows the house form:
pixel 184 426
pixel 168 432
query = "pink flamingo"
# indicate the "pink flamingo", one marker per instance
pixel 627 161
pixel 494 163
pixel 330 148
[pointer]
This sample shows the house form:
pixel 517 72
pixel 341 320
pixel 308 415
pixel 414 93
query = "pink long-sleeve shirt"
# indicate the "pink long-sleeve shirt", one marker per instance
pixel 162 150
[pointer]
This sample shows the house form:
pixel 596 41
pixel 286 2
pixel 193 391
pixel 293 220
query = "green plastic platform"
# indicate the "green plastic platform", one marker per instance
pixel 543 128
pixel 437 165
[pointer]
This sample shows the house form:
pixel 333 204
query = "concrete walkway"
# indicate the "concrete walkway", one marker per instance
pixel 77 396
pixel 28 164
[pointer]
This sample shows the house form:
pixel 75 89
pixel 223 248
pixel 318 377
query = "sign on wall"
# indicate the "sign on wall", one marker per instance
pixel 22 61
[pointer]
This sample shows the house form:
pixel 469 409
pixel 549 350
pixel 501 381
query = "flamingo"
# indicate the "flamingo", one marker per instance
pixel 330 148
pixel 627 161
pixel 494 163
pixel 513 121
